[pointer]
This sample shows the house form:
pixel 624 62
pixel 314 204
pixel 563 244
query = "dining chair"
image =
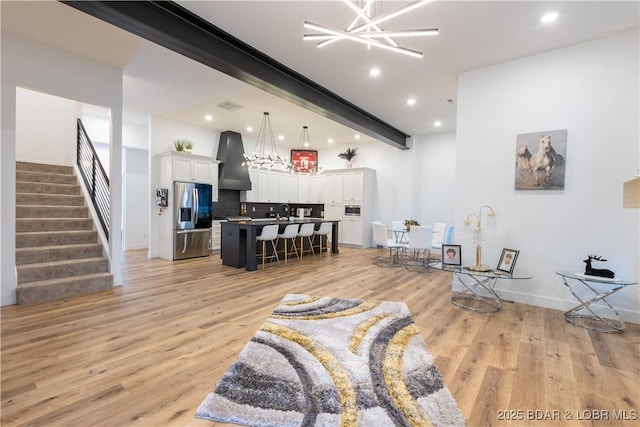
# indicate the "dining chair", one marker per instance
pixel 419 247
pixel 399 231
pixel 439 229
pixel 381 239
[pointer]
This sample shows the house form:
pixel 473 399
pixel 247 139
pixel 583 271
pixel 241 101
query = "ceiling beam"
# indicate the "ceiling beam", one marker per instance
pixel 176 28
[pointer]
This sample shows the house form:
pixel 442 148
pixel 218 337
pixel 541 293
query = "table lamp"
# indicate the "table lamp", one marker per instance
pixel 477 231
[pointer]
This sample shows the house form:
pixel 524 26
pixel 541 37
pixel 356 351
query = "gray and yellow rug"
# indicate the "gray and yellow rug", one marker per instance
pixel 321 361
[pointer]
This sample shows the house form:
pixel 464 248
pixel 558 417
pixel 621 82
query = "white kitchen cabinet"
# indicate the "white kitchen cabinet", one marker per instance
pixel 316 186
pixel 288 188
pixel 352 231
pixel 303 189
pixel 333 212
pixel 187 168
pixel 333 188
pixel 216 235
pixel 268 187
pixel 353 186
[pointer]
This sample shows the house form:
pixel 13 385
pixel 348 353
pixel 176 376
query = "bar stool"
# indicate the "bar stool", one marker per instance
pixel 306 230
pixel 325 230
pixel 290 232
pixel 269 233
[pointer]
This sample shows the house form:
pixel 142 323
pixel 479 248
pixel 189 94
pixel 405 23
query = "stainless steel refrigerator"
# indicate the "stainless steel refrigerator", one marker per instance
pixel 193 211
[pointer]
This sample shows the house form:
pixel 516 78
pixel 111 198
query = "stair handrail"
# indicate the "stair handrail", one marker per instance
pixel 94 177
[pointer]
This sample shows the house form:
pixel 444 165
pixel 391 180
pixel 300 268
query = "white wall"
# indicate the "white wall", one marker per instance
pixel 136 195
pixel 590 89
pixel 40 68
pixel 45 128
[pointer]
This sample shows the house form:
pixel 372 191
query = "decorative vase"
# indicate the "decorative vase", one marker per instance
pixel 349 164
pixel 187 150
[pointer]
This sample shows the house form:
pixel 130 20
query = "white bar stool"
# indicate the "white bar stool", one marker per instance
pixel 306 230
pixel 290 232
pixel 325 230
pixel 269 233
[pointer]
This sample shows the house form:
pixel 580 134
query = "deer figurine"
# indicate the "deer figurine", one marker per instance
pixel 597 271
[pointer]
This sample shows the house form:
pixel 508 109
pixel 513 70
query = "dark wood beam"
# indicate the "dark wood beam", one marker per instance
pixel 174 27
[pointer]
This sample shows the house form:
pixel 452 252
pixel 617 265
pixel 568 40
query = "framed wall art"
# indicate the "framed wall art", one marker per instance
pixel 304 160
pixel 540 160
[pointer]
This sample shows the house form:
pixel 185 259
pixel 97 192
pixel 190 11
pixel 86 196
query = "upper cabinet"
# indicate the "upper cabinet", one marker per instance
pixel 353 186
pixel 288 188
pixel 176 166
pixel 333 187
pixel 189 167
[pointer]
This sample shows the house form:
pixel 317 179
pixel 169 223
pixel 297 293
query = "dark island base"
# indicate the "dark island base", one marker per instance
pixel 239 245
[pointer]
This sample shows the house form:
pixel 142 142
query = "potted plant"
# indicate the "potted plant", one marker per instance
pixel 183 145
pixel 349 155
pixel 409 222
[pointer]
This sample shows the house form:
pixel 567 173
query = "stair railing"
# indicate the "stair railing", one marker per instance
pixel 94 177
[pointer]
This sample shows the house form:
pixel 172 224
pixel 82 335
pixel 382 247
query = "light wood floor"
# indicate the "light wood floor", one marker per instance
pixel 147 353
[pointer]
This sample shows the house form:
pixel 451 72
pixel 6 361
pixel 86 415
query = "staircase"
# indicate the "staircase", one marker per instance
pixel 57 249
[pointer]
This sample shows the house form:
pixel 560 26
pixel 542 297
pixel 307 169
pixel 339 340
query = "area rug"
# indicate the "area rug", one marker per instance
pixel 320 361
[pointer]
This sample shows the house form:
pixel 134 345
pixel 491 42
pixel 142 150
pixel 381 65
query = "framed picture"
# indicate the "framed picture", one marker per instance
pixel 451 255
pixel 508 260
pixel 304 160
pixel 540 160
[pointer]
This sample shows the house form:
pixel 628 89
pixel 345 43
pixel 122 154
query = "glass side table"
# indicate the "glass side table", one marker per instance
pixel 593 321
pixel 479 294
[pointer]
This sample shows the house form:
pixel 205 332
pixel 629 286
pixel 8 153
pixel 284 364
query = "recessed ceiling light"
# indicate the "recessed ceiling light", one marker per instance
pixel 411 101
pixel 280 137
pixel 208 117
pixel 357 136
pixel 374 72
pixel 249 128
pixel 549 17
pixel 437 123
pixel 330 141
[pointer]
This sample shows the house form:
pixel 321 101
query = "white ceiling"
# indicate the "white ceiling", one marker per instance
pixel 473 34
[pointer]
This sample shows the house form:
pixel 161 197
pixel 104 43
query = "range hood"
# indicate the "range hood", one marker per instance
pixel 232 175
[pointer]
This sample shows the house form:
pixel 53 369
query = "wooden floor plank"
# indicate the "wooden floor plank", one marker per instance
pixel 147 353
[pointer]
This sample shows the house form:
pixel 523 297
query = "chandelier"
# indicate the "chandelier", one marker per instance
pixel 264 154
pixel 365 28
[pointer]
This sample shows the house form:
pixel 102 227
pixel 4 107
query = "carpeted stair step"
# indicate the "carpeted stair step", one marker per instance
pixel 25 199
pixel 58 269
pixel 29 293
pixel 35 211
pixel 42 188
pixel 53 224
pixel 57 253
pixel 52 238
pixel 45 177
pixel 39 167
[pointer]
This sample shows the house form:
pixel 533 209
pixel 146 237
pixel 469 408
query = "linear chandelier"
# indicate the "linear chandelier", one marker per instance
pixel 369 31
pixel 263 156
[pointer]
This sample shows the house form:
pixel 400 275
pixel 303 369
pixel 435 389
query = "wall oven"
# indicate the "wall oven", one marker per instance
pixel 351 210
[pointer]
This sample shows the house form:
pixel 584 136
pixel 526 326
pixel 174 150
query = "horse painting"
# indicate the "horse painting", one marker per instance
pixel 543 169
pixel 544 160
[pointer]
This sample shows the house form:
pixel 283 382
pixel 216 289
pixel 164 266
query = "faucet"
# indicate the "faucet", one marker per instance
pixel 286 206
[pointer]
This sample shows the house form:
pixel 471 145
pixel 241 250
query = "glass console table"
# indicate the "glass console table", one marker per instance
pixel 485 301
pixel 594 321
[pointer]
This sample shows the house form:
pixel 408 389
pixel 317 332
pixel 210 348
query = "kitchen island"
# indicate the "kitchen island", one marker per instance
pixel 238 240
